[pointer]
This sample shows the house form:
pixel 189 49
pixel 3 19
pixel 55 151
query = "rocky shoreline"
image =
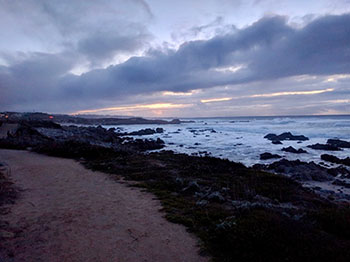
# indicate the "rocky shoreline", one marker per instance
pixel 264 216
pixel 83 120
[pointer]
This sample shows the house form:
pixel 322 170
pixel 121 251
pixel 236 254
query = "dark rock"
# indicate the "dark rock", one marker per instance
pixel 202 203
pixel 336 160
pixel 276 142
pixel 291 149
pixel 142 132
pixel 159 130
pixel 270 136
pixel 266 155
pixel 216 197
pixel 41 123
pixel 338 143
pixel 285 136
pixel 191 188
pixel 298 170
pixel 325 147
pixel 179 180
pixel 145 145
pixel 339 182
pixel 341 171
pixel 177 121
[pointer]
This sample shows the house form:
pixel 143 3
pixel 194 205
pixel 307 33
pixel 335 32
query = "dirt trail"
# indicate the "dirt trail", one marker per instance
pixel 69 213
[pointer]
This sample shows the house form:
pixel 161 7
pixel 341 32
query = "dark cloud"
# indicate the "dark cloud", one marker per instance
pixel 268 49
pixel 103 46
pixel 96 29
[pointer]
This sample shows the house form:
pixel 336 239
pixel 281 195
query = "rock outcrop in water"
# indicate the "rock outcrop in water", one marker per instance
pixel 285 136
pixel 338 143
pixel 144 132
pixel 266 156
pixel 291 149
pixel 325 147
pixel 336 160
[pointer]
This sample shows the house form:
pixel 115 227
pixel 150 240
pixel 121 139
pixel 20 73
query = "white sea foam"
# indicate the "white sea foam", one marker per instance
pixel 242 139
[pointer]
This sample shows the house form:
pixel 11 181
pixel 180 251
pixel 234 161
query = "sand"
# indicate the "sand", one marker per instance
pixel 68 213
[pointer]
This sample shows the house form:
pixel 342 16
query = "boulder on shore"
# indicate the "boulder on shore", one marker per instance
pixel 299 170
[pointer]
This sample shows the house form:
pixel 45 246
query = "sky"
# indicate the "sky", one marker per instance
pixel 161 58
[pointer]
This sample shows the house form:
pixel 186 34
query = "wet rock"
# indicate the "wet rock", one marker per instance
pixel 291 149
pixel 266 155
pixel 339 182
pixel 177 121
pixel 202 203
pixel 285 136
pixel 276 142
pixel 216 197
pixel 298 170
pixel 145 145
pixel 41 123
pixel 179 180
pixel 191 188
pixel 339 171
pixel 338 143
pixel 326 147
pixel 336 160
pixel 271 137
pixel 146 131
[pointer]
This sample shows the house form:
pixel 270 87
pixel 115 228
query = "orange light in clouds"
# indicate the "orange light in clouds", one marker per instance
pixel 314 92
pixel 216 100
pixel 135 107
pixel 169 93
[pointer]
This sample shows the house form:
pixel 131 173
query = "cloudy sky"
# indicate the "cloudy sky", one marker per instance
pixel 175 58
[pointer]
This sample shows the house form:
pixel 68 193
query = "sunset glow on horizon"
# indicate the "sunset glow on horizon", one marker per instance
pixel 163 106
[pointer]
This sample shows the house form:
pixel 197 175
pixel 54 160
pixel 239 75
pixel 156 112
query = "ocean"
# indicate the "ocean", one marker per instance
pixel 241 139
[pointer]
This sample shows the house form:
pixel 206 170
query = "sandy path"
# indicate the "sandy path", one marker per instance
pixel 69 213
